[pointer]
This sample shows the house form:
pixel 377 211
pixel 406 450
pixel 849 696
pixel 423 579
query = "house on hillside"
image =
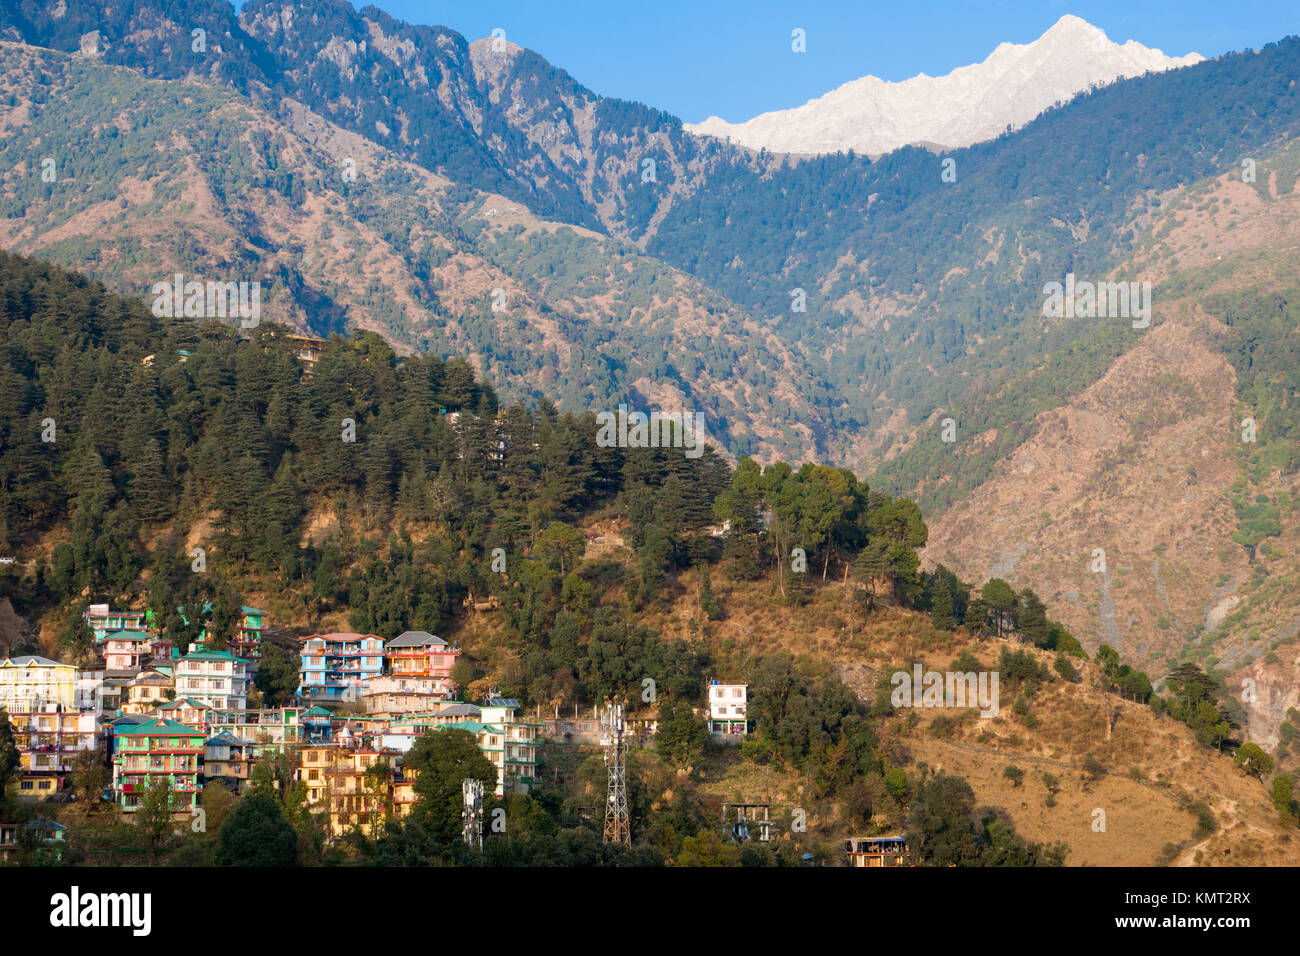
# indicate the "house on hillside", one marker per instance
pixel 155 749
pixel 147 690
pixel 30 683
pixel 338 667
pixel 728 709
pixel 876 851
pixel 423 656
pixel 217 678
pixel 44 837
pixel 226 759
pixel 103 620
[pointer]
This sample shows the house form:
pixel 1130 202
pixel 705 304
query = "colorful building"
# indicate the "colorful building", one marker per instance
pixel 424 656
pixel 125 652
pixel 187 711
pixel 30 683
pixel 48 741
pixel 155 749
pixel 247 641
pixel 217 678
pixel 102 621
pixel 337 667
pixel 344 787
pixel 265 730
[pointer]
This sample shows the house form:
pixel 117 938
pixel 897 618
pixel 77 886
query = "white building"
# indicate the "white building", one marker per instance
pixel 728 708
pixel 216 678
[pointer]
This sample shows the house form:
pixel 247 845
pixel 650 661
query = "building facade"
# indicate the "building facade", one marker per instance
pixel 217 678
pixel 337 667
pixel 48 741
pixel 728 709
pixel 30 683
pixel 425 657
pixel 153 750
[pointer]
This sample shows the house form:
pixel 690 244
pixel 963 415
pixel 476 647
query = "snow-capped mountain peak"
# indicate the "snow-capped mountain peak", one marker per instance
pixel 972 103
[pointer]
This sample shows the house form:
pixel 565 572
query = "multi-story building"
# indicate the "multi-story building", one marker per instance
pixel 102 620
pixel 148 690
pixel 226 759
pixel 218 678
pixel 29 683
pixel 509 743
pixel 391 694
pixel 354 786
pixel 125 652
pixel 48 740
pixel 728 708
pixel 247 640
pixel 337 667
pixel 263 730
pixel 517 766
pixel 424 656
pixel 156 749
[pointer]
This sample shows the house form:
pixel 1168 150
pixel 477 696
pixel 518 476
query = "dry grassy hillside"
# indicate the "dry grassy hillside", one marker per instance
pixel 1153 771
pixel 1143 462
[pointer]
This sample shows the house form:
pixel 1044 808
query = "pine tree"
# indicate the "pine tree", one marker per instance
pixel 941 613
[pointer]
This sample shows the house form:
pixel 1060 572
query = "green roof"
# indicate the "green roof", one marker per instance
pixel 152 727
pixel 213 656
pixel 473 726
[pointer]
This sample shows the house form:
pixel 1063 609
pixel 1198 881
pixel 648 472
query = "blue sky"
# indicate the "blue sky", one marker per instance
pixel 733 57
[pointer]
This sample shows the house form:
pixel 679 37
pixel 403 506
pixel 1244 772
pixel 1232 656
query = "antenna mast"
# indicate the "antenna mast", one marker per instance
pixel 617 828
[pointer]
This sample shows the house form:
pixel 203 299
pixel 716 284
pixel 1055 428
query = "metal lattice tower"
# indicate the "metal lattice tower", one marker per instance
pixel 617 827
pixel 472 816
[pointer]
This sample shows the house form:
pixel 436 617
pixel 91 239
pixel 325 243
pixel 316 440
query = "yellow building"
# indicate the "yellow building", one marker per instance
pixel 342 788
pixel 29 684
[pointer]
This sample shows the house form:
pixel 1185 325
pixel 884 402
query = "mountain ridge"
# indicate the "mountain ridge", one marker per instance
pixel 1010 87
